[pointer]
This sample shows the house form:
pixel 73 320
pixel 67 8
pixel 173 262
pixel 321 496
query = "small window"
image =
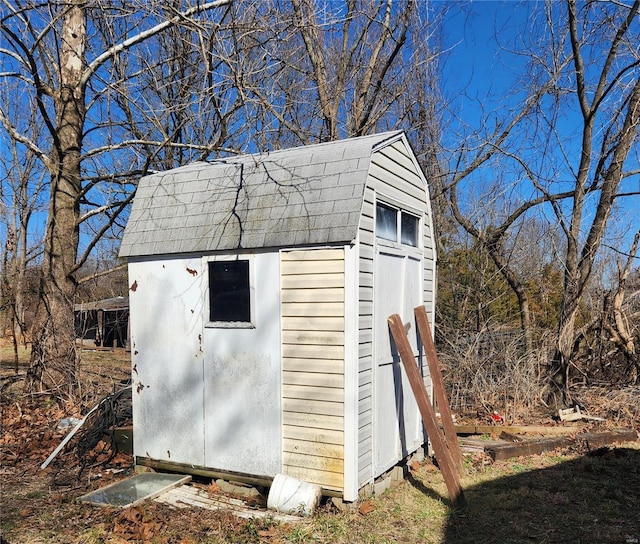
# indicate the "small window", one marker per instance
pixel 409 229
pixel 229 292
pixel 394 224
pixel 386 222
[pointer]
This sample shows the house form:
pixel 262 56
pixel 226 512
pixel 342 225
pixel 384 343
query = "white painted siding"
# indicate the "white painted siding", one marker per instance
pixel 313 339
pixel 395 178
pixel 167 359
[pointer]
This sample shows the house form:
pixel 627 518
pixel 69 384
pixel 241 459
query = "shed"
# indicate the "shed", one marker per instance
pixel 104 323
pixel 260 287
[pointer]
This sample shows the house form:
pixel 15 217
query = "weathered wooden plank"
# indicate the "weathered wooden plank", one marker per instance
pixel 314 462
pixel 299 308
pixel 304 392
pixel 312 254
pixel 326 480
pixel 315 338
pixel 422 322
pixel 300 294
pixel 312 323
pixel 313 407
pixel 336 451
pixel 315 379
pixel 597 440
pixel 186 496
pixel 515 429
pixel 541 445
pixel 312 351
pixel 329 366
pixel 319 436
pixel 319 281
pixel 443 455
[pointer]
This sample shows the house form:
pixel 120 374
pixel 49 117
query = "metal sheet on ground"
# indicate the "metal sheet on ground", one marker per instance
pixel 135 489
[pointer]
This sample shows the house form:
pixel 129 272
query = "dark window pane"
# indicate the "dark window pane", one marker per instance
pixel 409 230
pixel 386 222
pixel 229 291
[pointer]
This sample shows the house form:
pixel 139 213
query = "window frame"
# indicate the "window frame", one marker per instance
pixel 208 323
pixel 400 213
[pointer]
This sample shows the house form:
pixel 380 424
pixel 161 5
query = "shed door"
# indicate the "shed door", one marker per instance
pixel 398 289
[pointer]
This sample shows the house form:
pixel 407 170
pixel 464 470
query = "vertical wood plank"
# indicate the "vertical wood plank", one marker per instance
pixel 450 435
pixel 443 455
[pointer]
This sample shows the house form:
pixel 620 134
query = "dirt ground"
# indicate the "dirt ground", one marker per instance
pixel 561 496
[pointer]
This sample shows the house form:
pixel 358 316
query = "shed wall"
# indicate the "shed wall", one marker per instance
pixel 167 360
pixel 313 283
pixel 394 177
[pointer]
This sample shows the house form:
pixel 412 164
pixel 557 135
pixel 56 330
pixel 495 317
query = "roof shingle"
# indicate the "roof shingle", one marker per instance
pixel 305 195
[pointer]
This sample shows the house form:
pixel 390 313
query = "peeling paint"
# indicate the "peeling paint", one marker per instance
pixel 139 387
pixel 134 286
pixel 192 271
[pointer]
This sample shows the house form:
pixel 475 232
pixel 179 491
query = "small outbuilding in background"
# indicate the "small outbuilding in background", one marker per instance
pixel 103 323
pixel 260 288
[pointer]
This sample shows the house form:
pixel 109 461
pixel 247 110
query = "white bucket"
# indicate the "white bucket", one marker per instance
pixel 293 496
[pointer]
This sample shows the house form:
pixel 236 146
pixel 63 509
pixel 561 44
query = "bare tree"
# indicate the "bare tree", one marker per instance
pixel 584 64
pixel 20 198
pixel 315 71
pixel 72 61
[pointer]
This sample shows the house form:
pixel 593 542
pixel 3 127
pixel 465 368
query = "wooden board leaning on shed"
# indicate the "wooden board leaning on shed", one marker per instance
pixel 440 446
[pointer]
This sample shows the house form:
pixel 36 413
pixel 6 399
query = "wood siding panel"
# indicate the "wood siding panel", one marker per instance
pixel 307 392
pixel 315 462
pixel 312 296
pixel 313 421
pixel 313 281
pixel 319 309
pixel 325 366
pixel 327 480
pixel 313 448
pixel 320 436
pixel 314 338
pixel 315 323
pixel 313 365
pixel 296 351
pixel 313 407
pixel 315 379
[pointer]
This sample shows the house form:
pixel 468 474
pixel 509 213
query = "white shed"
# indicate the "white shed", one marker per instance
pixel 260 287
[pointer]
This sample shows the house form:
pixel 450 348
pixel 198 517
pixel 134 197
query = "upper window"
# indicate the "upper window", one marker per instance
pixel 397 225
pixel 229 292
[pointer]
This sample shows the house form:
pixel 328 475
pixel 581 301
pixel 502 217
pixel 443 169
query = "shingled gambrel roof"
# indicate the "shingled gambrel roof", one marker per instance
pixel 292 197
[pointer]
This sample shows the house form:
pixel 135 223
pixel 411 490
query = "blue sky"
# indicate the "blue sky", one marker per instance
pixel 479 74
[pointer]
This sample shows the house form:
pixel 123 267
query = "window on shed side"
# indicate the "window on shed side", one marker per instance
pixel 394 224
pixel 386 222
pixel 229 292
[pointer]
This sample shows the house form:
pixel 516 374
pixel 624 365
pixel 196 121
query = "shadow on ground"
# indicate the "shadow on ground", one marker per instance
pixel 594 499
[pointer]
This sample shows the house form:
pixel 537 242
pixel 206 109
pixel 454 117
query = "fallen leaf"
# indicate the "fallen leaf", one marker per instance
pixel 367 507
pixel 213 488
pixel 270 532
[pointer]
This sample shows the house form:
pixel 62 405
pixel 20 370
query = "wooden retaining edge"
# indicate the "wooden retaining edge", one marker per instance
pixel 541 445
pixel 516 429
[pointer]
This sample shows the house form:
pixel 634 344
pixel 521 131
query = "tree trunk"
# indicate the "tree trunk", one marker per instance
pixel 54 361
